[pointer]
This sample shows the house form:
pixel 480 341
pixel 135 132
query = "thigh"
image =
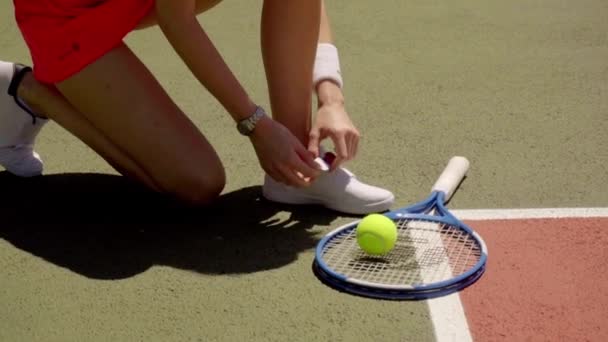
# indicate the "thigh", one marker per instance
pixel 121 98
pixel 200 7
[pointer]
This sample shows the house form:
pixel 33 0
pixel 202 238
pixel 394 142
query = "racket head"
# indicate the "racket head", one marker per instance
pixel 433 252
pixel 390 294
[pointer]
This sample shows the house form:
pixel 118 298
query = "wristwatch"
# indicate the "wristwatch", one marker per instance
pixel 246 126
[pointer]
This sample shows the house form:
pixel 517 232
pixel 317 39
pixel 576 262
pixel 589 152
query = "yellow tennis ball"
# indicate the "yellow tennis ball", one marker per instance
pixel 376 234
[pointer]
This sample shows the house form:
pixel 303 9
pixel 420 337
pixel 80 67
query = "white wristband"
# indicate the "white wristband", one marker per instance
pixel 327 65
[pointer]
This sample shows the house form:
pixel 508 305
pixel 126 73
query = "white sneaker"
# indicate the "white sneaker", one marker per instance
pixel 339 190
pixel 18 125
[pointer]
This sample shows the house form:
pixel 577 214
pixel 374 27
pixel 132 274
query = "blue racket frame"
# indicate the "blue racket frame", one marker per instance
pixel 419 211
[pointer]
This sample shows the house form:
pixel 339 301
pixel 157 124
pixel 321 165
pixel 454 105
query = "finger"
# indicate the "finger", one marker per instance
pixel 352 145
pixel 308 169
pixel 276 176
pixel 313 142
pixel 341 150
pixel 309 159
pixel 292 178
pixel 349 146
pixel 356 145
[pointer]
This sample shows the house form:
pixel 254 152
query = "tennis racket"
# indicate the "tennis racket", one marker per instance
pixel 435 254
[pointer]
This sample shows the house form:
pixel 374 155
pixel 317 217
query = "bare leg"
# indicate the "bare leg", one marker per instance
pixel 290 31
pixel 46 99
pixel 133 124
pixel 137 115
pixel 200 7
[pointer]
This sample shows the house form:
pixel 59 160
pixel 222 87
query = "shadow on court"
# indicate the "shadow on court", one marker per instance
pixel 105 227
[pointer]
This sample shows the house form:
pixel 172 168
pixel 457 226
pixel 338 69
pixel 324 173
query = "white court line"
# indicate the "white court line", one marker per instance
pixel 511 214
pixel 447 313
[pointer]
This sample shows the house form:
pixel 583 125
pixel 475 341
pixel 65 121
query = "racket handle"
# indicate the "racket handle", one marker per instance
pixel 451 176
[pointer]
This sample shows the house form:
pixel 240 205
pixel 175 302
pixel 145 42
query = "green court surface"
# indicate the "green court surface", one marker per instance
pixel 519 87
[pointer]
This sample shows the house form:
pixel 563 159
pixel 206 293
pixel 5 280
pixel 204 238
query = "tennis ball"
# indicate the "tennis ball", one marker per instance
pixel 376 234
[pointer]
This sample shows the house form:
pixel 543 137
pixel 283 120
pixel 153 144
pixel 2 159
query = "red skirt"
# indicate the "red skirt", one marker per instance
pixel 64 36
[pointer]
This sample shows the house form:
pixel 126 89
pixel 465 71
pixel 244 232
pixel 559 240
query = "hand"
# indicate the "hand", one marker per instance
pixel 332 121
pixel 282 155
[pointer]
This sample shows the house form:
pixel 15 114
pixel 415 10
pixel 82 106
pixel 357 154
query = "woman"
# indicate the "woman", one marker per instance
pixel 87 80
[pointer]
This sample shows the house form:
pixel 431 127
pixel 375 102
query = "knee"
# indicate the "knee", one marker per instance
pixel 205 5
pixel 152 18
pixel 200 189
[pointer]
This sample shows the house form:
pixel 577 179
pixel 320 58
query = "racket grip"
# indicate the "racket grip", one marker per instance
pixel 451 176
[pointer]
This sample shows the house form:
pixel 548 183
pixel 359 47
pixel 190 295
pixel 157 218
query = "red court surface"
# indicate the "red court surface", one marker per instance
pixel 546 280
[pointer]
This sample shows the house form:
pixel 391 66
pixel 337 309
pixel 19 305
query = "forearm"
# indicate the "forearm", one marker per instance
pixel 325 34
pixel 178 23
pixel 327 91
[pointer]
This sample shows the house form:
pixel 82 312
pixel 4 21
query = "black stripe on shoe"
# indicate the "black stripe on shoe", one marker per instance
pixel 19 73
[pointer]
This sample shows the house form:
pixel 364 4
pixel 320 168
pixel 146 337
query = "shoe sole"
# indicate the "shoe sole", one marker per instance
pixel 375 207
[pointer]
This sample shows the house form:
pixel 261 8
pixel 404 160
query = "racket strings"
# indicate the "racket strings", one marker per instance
pixel 432 262
pixel 426 252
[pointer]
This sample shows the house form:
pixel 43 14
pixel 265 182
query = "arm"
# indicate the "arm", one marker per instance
pixel 327 91
pixel 177 20
pixel 278 150
pixel 331 120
